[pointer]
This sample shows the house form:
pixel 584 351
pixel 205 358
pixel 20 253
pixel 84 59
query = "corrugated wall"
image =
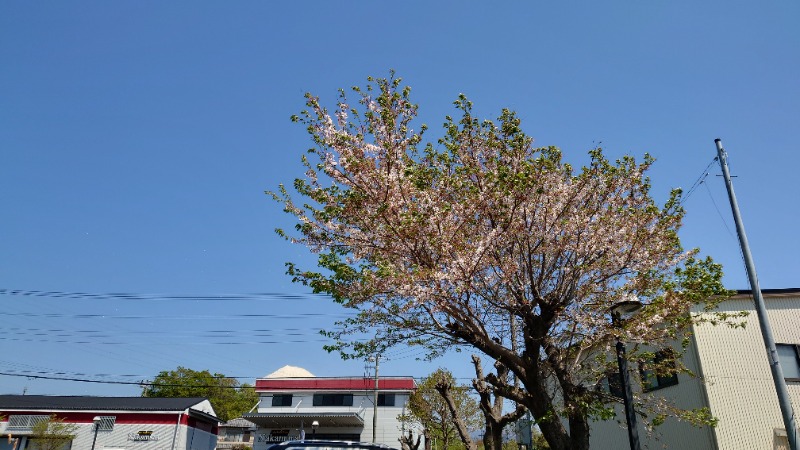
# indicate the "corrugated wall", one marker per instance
pixel 739 382
pixel 160 438
pixel 186 438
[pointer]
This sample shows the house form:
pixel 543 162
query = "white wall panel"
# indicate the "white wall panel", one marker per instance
pixel 687 394
pixel 388 427
pixel 739 382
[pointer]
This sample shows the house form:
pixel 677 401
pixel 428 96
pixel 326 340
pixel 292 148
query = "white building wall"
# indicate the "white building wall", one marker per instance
pixel 739 381
pixel 687 394
pixel 388 427
pixel 186 438
pixel 118 437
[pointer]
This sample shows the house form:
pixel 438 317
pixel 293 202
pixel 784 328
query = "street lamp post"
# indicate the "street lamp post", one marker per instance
pixel 96 421
pixel 620 311
pixel 314 426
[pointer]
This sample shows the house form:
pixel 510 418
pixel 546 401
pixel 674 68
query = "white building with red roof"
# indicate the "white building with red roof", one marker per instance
pixel 294 404
pixel 112 423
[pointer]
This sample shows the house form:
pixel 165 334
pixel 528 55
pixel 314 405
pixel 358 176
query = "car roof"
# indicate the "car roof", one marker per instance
pixel 327 444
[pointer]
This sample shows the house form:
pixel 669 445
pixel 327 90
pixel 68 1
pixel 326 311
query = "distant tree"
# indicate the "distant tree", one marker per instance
pixel 52 434
pixel 229 398
pixel 491 405
pixel 538 441
pixel 444 411
pixel 408 442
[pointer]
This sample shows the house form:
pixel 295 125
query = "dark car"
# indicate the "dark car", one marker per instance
pixel 328 445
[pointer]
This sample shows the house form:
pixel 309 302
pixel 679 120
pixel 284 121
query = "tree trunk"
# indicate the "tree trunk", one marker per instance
pixel 408 443
pixel 558 438
pixel 493 437
pixel 579 432
pixel 541 406
pixel 444 390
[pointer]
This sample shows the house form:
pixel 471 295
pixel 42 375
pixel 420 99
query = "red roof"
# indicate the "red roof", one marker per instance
pixel 334 384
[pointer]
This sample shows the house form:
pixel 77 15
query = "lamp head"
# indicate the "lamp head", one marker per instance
pixel 315 424
pixel 97 420
pixel 626 309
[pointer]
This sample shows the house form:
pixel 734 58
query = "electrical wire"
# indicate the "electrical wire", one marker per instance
pixel 268 296
pixel 107 338
pixel 152 384
pixel 719 213
pixel 163 317
pixel 139 383
pixel 110 334
pixel 700 180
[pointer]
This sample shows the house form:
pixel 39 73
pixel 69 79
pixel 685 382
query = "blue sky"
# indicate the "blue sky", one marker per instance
pixel 137 139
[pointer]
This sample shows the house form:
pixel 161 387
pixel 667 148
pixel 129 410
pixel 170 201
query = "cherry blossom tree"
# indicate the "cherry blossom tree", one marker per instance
pixel 438 244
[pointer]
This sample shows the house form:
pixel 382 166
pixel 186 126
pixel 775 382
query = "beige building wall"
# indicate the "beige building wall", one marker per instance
pixel 739 382
pixel 735 383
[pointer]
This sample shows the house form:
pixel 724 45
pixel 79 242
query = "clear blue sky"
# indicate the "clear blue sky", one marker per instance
pixel 137 138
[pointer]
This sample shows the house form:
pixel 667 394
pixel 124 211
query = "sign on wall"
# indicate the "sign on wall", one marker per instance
pixel 142 436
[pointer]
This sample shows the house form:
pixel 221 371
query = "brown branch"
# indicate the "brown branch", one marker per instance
pixel 444 388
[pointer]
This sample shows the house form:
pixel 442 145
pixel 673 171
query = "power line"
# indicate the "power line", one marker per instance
pixel 719 213
pixel 700 180
pixel 140 317
pixel 49 376
pixel 264 296
pixel 138 383
pixel 64 341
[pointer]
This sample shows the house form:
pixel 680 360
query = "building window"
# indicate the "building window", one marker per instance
pixel 333 399
pixel 25 422
pixel 282 400
pixel 385 399
pixel 106 423
pixel 612 384
pixel 233 435
pixel 660 372
pixel 789 357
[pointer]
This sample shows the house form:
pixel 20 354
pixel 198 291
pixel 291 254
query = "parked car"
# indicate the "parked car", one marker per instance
pixel 328 445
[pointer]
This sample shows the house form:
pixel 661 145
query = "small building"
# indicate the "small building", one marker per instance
pixel 734 382
pixel 118 423
pixel 295 405
pixel 236 434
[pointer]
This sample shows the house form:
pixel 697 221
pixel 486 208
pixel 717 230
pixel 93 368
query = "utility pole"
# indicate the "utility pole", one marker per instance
pixel 375 402
pixel 763 321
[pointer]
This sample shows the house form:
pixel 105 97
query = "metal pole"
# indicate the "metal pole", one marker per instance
pixel 96 427
pixel 627 397
pixel 761 309
pixel 175 433
pixel 375 403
